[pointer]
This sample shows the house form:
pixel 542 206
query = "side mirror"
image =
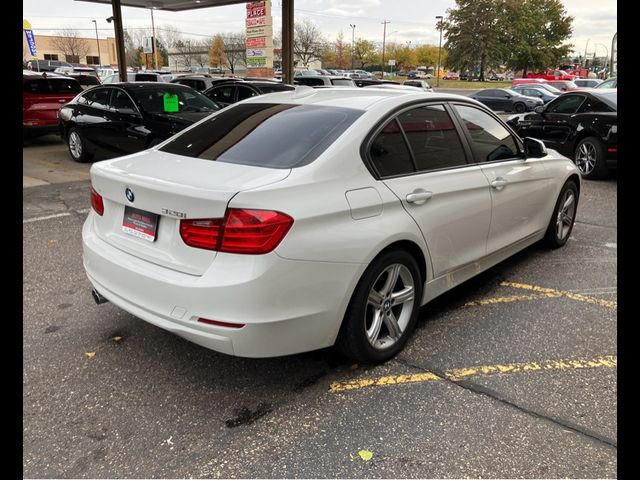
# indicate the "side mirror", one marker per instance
pixel 534 148
pixel 539 109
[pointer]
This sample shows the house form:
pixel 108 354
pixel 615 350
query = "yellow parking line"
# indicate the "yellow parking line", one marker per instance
pixel 513 298
pixel 553 293
pixel 607 361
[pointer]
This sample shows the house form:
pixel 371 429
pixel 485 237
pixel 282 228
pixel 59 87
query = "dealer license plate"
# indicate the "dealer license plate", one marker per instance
pixel 140 223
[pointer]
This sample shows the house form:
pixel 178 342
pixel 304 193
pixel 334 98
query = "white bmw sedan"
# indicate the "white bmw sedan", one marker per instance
pixel 299 220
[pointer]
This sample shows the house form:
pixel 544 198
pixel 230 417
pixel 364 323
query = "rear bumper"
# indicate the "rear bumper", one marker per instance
pixel 286 306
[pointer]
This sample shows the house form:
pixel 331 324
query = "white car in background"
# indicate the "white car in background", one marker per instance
pixel 298 220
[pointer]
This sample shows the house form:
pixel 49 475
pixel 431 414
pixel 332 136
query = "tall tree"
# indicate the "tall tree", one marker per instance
pixel 308 42
pixel 217 56
pixel 342 52
pixel 69 42
pixel 535 31
pixel 427 55
pixel 474 39
pixel 365 53
pixel 403 54
pixel 235 49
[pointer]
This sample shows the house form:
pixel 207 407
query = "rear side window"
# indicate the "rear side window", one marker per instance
pixel 265 134
pixel 594 105
pixel 146 77
pixel 51 86
pixel 245 92
pixel 433 138
pixel 490 140
pixel 389 152
pixel 97 98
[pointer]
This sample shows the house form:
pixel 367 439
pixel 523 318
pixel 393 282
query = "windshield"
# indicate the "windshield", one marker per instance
pixel 608 83
pixel 265 134
pixel 170 98
pixel 610 99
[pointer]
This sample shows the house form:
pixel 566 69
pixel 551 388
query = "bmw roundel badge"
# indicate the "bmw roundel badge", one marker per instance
pixel 129 194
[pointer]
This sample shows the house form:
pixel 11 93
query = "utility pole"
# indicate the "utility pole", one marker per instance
pixel 153 36
pixel 614 48
pixel 439 17
pixel 585 49
pixel 384 36
pixel 353 36
pixel 97 42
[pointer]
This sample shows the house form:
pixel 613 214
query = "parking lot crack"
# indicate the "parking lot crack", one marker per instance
pixel 497 396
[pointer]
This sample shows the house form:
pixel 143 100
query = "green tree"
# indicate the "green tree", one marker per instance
pixel 308 42
pixel 473 35
pixel 427 55
pixel 365 53
pixel 535 31
pixel 403 54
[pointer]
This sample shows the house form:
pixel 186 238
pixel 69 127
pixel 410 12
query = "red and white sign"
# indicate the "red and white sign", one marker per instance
pixel 257 12
pixel 256 22
pixel 251 5
pixel 258 42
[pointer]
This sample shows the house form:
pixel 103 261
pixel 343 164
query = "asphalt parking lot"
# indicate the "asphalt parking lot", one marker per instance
pixel 510 375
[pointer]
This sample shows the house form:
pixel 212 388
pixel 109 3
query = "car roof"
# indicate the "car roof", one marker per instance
pixel 31 75
pixel 355 97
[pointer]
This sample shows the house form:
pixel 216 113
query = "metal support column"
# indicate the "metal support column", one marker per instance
pixel 287 41
pixel 117 20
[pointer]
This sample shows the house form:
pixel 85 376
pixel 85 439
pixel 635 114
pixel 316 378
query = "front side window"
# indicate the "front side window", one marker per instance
pixel 120 101
pixel 566 104
pixel 265 134
pixel 489 139
pixel 432 137
pixel 222 94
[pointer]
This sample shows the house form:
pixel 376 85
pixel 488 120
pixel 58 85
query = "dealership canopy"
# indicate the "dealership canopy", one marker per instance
pixel 183 5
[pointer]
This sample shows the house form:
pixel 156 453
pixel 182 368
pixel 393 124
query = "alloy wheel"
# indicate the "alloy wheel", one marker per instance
pixel 566 214
pixel 586 158
pixel 389 306
pixel 75 145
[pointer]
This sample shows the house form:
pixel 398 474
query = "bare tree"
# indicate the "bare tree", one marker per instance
pixel 235 48
pixel 69 42
pixel 308 42
pixel 169 35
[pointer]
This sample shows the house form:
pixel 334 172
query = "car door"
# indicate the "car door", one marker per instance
pixel 126 124
pixel 519 187
pixel 419 155
pixel 93 117
pixel 488 97
pixel 558 122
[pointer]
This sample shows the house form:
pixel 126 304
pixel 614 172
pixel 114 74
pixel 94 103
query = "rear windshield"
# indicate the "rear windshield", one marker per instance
pixel 265 134
pixel 52 86
pixel 146 77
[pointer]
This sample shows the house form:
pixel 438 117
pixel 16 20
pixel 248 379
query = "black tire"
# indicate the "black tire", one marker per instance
pixel 554 238
pixel 77 146
pixel 352 340
pixel 589 158
pixel 519 107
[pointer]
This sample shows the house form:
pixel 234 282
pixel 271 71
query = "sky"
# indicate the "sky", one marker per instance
pixel 595 21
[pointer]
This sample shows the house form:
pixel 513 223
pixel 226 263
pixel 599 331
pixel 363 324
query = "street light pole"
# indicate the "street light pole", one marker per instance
pixel 353 36
pixel 153 36
pixel 384 36
pixel 97 42
pixel 439 17
pixel 614 47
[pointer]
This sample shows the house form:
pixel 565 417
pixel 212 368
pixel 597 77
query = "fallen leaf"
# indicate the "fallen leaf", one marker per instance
pixel 117 339
pixel 366 455
pixel 53 241
pixel 90 354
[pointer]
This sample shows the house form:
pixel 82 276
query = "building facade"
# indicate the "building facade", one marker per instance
pixel 51 47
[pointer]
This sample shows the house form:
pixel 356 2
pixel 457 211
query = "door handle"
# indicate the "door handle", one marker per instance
pixel 419 196
pixel 499 183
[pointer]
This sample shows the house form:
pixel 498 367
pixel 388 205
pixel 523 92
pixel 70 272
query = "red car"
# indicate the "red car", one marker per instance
pixel 42 96
pixel 552 75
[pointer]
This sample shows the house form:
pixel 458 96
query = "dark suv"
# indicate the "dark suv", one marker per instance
pixel 227 92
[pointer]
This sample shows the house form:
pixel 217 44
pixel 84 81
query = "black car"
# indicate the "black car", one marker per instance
pixel 325 80
pixel 506 100
pixel 198 82
pixel 535 91
pixel 125 118
pixel 225 93
pixel 367 82
pixel 582 125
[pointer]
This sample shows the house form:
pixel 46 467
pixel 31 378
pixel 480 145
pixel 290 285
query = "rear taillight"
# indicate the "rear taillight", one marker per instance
pixel 201 233
pixel 96 202
pixel 250 232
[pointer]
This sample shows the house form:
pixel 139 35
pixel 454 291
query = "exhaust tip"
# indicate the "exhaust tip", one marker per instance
pixel 99 299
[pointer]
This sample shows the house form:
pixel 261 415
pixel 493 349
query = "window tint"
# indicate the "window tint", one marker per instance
pixel 146 77
pixel 433 138
pixel 245 92
pixel 566 104
pixel 222 94
pixel 531 93
pixel 265 134
pixel 121 101
pixel 594 105
pixel 488 93
pixel 98 98
pixel 342 82
pixel 310 81
pixel 490 140
pixel 389 152
pixel 275 88
pixel 52 86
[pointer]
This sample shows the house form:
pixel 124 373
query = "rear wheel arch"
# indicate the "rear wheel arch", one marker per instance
pixel 413 249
